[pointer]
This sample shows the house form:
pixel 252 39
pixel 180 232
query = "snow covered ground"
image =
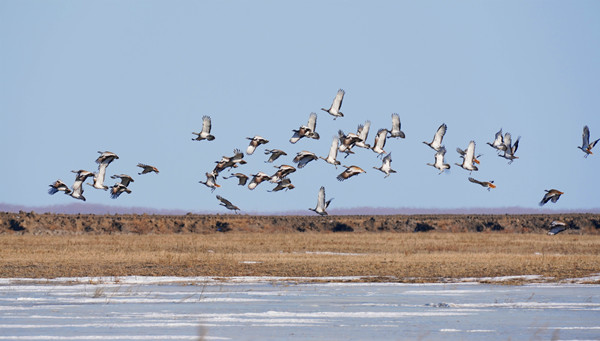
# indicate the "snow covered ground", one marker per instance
pixel 268 308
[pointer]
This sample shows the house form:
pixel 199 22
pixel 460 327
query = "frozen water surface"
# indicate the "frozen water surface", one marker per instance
pixel 255 308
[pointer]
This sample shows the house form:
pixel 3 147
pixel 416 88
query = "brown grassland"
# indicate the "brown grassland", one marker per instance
pixel 373 248
pixel 386 256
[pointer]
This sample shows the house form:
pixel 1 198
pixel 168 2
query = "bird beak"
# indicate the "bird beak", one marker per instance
pixel 475 160
pixel 492 186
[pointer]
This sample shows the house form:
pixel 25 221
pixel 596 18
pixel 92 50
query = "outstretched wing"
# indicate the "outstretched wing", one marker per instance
pixel 223 200
pixel 439 135
pixel 337 101
pixel 206 124
pixel 312 122
pixel 363 130
pixel 333 150
pixel 321 198
pixel 586 137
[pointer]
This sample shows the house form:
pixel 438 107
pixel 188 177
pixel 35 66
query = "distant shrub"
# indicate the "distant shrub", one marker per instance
pixel 341 227
pixel 222 226
pixel 423 227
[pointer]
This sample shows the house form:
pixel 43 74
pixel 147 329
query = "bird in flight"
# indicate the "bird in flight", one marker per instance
pixel 147 169
pixel 436 143
pixel 205 133
pixel 386 166
pixel 488 184
pixel 396 132
pixel 334 110
pixel 586 146
pixel 321 203
pixel 551 195
pixel 309 130
pixel 439 160
pixel 227 204
pixel 255 142
pixel 58 185
pixel 350 172
pixel 333 150
pixel 469 158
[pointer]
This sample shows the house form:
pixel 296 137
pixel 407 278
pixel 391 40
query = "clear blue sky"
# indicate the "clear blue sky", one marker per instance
pixel 136 77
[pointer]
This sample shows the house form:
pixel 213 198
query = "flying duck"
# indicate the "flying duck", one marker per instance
pixel 498 142
pixel 257 179
pixel 436 143
pixel 347 142
pixel 333 150
pixel 275 154
pixel 227 204
pixel 334 110
pixel 283 184
pixel 229 162
pixel 556 227
pixel 309 130
pixel 439 160
pixel 350 172
pixel 386 166
pixel 147 169
pixel 463 152
pixel 551 195
pixel 99 176
pixel 304 157
pixel 396 132
pixel 205 133
pixel 488 184
pixel 510 148
pixel 255 142
pixel 106 157
pixel 242 178
pixel 125 179
pixel 380 142
pixel 468 158
pixel 282 172
pixel 321 203
pixel 58 185
pixel 77 188
pixel 117 189
pixel 586 146
pixel 211 182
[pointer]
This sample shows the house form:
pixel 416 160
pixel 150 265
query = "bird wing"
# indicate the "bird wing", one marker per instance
pixel 312 122
pixel 515 146
pixel 586 137
pixel 395 123
pixel 224 201
pixel 475 181
pixel 363 130
pixel 439 157
pixel 296 137
pixel 470 153
pixel 101 174
pixel 507 141
pixel 333 150
pixel 337 101
pixel 321 199
pixel 380 138
pixel 206 124
pixel 439 135
pixel 498 141
pixel 387 161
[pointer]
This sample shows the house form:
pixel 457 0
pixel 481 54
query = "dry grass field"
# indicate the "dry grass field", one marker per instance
pixel 388 256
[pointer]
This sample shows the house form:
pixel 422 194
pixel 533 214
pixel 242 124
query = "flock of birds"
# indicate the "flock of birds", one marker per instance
pixel 341 143
pixel 105 159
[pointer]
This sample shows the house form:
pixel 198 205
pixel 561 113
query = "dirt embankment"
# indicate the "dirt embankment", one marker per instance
pixel 32 223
